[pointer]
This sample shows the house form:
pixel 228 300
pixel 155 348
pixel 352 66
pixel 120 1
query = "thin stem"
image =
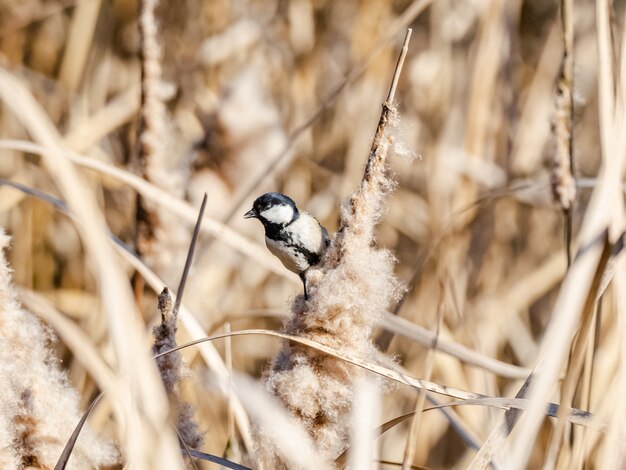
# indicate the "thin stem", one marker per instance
pixel 192 248
pixel 399 65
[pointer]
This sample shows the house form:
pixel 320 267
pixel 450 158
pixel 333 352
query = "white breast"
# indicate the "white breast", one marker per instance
pixel 293 260
pixel 306 231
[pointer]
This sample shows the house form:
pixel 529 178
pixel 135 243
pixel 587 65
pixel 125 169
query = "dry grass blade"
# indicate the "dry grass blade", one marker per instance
pixel 398 464
pixel 580 346
pixel 383 428
pixel 186 451
pixel 57 203
pixel 409 451
pixel 188 261
pixel 218 460
pixel 579 417
pixel 426 338
pixel 69 446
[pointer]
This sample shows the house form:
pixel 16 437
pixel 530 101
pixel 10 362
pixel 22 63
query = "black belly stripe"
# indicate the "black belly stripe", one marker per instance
pixel 311 258
pixel 275 232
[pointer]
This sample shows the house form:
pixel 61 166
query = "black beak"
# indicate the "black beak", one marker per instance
pixel 251 214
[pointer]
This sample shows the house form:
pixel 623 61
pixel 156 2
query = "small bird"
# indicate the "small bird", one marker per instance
pixel 296 238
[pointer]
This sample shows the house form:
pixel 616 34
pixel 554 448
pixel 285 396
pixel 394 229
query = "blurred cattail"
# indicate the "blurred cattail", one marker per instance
pixel 172 369
pixel 38 408
pixel 349 290
pixel 159 239
pixel 563 182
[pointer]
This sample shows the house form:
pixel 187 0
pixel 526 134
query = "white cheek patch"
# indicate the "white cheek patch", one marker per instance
pixel 281 214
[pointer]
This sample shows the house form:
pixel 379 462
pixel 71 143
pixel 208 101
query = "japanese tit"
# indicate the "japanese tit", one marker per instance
pixel 296 238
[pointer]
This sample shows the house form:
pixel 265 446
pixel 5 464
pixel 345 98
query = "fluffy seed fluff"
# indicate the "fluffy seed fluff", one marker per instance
pixel 348 290
pixel 38 408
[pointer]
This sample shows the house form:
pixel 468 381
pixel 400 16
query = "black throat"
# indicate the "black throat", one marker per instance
pixel 277 231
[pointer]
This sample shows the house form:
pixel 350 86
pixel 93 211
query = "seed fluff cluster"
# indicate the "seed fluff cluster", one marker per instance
pixel 38 408
pixel 349 289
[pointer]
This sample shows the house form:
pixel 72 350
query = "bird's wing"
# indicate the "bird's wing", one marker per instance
pixel 325 235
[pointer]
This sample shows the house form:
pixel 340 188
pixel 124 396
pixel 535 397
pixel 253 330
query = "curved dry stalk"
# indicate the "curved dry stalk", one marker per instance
pixel 191 325
pixel 158 196
pixel 148 442
pixel 579 417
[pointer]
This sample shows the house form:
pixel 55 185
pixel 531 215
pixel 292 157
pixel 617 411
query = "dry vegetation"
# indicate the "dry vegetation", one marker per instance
pixel 113 125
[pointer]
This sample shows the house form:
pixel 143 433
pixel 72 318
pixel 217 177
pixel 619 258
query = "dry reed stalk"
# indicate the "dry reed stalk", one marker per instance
pixel 171 366
pixel 147 440
pixel 364 418
pixel 401 376
pixel 577 284
pixel 348 293
pixel 614 454
pixel 418 334
pixel 581 347
pixel 157 195
pixel 38 408
pixel 80 37
pixel 532 133
pixel 425 337
pixel 411 443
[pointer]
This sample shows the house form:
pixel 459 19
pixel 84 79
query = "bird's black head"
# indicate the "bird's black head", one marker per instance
pixel 273 209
